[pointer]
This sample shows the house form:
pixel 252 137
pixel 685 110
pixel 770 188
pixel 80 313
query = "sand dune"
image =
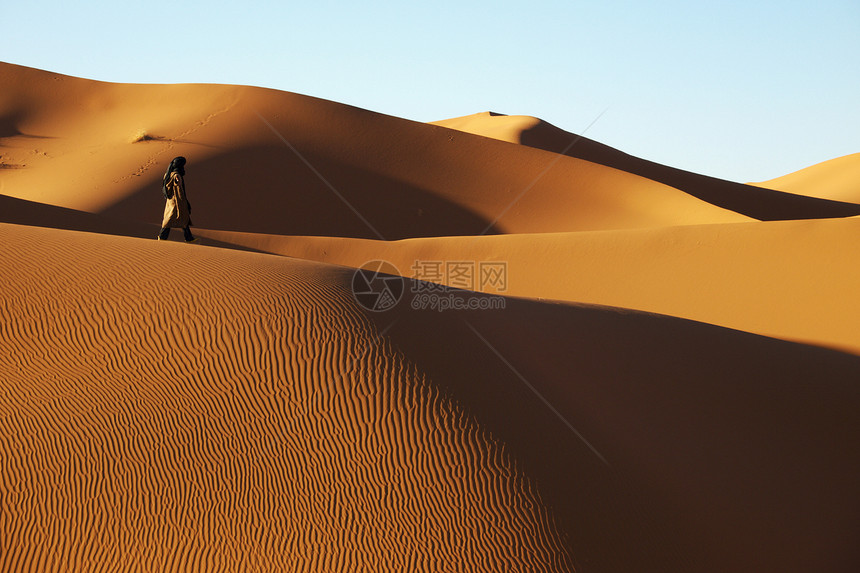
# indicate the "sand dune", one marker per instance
pixel 246 413
pixel 757 202
pixel 837 179
pixel 789 279
pixel 166 409
pixel 173 407
pixel 326 169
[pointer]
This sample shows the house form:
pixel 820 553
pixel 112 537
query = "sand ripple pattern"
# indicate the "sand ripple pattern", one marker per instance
pixel 166 407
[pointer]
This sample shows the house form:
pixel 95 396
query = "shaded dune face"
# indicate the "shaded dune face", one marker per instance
pixel 662 444
pixel 221 411
pixel 267 188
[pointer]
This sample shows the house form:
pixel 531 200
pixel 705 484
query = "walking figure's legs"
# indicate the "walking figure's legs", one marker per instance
pixel 189 238
pixel 163 234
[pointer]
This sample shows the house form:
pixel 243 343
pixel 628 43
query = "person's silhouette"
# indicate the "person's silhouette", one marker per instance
pixel 177 210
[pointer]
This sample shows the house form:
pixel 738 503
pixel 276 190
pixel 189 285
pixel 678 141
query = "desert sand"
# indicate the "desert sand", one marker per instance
pixel 835 179
pixel 665 380
pixel 742 276
pixel 770 200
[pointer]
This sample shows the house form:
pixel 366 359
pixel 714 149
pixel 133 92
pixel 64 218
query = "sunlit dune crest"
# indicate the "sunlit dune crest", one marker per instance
pixel 837 179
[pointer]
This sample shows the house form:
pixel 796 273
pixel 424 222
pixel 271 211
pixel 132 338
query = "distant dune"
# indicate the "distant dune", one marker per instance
pixel 661 381
pixel 757 202
pixel 837 179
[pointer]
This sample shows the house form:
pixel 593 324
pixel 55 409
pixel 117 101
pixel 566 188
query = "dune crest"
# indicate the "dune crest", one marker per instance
pixel 837 179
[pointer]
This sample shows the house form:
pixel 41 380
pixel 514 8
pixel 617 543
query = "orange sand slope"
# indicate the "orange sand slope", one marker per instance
pixel 169 407
pixel 795 280
pixel 275 162
pixel 764 204
pixel 166 409
pixel 837 179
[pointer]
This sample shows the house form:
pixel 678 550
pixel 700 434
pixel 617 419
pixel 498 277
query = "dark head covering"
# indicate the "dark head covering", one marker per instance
pixel 176 164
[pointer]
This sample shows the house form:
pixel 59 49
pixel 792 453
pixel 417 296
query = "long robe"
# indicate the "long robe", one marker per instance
pixel 177 212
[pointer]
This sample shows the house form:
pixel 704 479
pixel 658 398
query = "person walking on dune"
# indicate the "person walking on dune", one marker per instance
pixel 177 211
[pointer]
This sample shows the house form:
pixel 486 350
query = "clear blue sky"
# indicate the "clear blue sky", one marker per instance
pixel 744 90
